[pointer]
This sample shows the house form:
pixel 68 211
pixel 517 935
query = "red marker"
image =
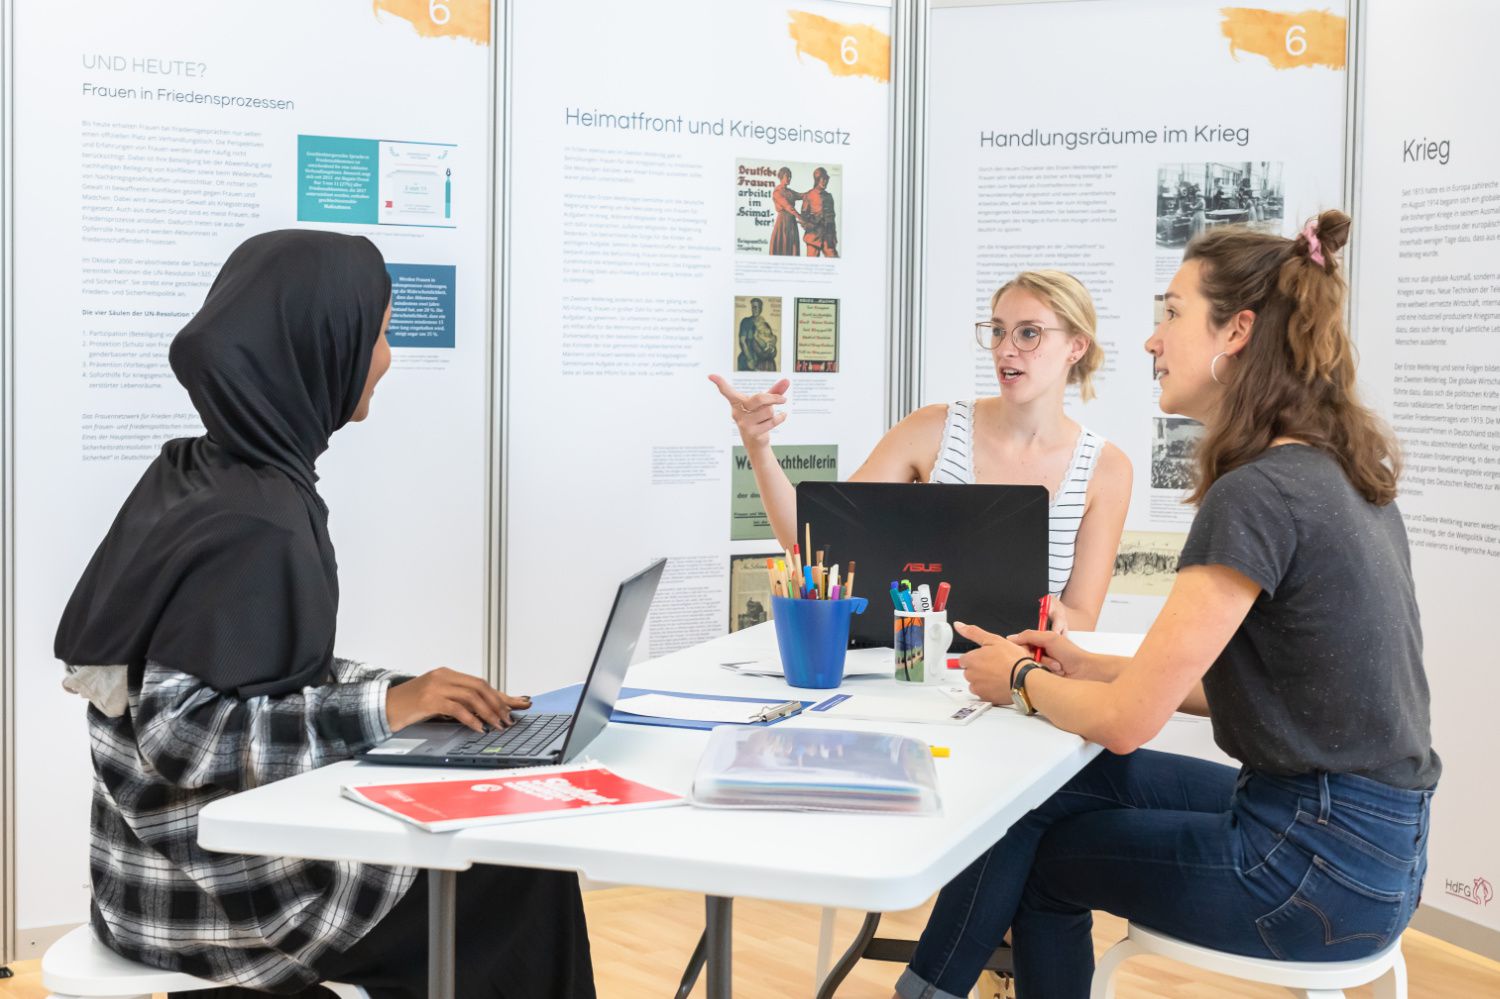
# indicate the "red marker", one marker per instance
pixel 940 601
pixel 1041 625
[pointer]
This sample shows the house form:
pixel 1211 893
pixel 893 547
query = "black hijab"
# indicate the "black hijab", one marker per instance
pixel 219 564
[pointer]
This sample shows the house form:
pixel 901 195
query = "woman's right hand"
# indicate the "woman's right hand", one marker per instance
pixel 1059 654
pixel 445 692
pixel 754 415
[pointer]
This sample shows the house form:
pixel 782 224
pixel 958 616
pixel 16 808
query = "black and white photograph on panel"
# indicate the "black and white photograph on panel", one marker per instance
pixel 1192 198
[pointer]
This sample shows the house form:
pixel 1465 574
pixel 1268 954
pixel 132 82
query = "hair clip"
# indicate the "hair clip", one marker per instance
pixel 1314 248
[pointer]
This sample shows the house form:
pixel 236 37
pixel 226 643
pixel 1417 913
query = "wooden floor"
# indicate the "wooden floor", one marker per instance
pixel 642 939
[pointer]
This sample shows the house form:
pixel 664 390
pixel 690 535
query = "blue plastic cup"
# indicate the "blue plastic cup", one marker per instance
pixel 813 636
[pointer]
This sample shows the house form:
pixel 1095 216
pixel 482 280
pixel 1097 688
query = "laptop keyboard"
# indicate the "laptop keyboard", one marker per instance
pixel 527 737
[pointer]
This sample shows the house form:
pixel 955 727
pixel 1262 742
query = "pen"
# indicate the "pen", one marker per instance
pixel 1041 625
pixel 833 582
pixel 924 598
pixel 807 578
pixel 896 596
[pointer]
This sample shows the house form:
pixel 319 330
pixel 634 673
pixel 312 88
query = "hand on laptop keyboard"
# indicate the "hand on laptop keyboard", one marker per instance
pixel 466 699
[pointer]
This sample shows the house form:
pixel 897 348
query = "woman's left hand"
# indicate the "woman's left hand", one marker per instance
pixel 987 668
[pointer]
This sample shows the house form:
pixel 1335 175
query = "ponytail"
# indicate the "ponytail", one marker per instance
pixel 1310 278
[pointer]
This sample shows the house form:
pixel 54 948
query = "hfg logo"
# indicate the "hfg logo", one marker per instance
pixel 1479 891
pixel 922 567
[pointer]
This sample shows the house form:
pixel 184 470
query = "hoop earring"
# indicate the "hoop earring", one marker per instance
pixel 1212 365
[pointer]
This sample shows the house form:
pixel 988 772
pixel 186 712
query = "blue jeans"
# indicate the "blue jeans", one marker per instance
pixel 1320 867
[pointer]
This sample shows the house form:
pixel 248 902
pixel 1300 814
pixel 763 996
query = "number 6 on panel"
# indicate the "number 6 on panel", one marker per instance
pixel 848 50
pixel 438 11
pixel 1296 40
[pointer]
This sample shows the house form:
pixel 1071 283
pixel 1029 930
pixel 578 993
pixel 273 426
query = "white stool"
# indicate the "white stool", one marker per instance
pixel 79 965
pixel 1314 979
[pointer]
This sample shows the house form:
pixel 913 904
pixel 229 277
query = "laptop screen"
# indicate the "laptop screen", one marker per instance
pixel 989 543
pixel 616 648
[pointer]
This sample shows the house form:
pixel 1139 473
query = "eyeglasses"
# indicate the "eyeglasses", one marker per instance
pixel 1026 336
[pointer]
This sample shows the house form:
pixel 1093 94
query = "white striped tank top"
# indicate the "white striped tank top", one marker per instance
pixel 955 464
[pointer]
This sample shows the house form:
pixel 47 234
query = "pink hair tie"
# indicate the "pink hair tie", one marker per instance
pixel 1314 248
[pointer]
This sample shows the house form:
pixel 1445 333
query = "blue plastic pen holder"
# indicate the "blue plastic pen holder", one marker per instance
pixel 813 636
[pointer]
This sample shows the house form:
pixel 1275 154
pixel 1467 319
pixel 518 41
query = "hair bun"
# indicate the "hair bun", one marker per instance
pixel 1333 230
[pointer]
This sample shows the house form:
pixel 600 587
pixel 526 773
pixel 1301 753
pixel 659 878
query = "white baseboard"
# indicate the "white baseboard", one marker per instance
pixel 32 942
pixel 1458 931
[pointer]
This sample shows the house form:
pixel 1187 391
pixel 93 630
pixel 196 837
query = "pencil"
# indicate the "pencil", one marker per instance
pixel 849 582
pixel 771 573
pixel 808 528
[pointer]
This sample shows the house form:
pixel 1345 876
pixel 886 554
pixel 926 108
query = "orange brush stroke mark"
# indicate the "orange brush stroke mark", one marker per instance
pixel 846 49
pixel 1286 40
pixel 469 19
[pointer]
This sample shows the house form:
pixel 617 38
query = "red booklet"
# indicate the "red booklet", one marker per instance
pixel 513 796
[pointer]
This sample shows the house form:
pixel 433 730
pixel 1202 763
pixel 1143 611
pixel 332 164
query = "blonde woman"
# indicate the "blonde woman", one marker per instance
pixel 1040 336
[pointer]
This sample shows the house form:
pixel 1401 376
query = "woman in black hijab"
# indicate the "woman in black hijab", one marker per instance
pixel 202 633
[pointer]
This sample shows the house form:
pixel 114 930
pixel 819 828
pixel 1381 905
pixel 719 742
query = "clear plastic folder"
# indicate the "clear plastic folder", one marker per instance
pixel 814 769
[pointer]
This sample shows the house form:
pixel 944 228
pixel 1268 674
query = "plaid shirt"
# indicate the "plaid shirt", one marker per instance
pixel 160 898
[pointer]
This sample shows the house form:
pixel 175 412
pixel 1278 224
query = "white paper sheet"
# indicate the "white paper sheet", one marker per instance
pixel 857 663
pixel 938 706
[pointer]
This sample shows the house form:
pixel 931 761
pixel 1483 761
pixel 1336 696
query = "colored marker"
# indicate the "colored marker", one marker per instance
pixel 941 602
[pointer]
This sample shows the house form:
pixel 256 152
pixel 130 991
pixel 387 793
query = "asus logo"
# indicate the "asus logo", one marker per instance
pixel 922 567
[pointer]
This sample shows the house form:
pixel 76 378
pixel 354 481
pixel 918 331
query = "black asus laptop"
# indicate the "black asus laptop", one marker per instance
pixel 989 543
pixel 538 739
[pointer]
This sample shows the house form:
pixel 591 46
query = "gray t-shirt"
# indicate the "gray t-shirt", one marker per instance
pixel 1325 673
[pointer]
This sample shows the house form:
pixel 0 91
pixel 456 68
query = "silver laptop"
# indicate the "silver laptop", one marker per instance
pixel 538 738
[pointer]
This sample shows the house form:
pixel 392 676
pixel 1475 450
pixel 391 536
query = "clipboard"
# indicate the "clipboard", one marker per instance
pixel 565 699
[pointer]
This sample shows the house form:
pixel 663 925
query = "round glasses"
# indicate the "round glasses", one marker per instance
pixel 1026 336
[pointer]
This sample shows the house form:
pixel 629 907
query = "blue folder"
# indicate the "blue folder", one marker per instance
pixel 565 699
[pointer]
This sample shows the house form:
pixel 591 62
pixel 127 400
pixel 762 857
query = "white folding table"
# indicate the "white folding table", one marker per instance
pixel 1001 766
